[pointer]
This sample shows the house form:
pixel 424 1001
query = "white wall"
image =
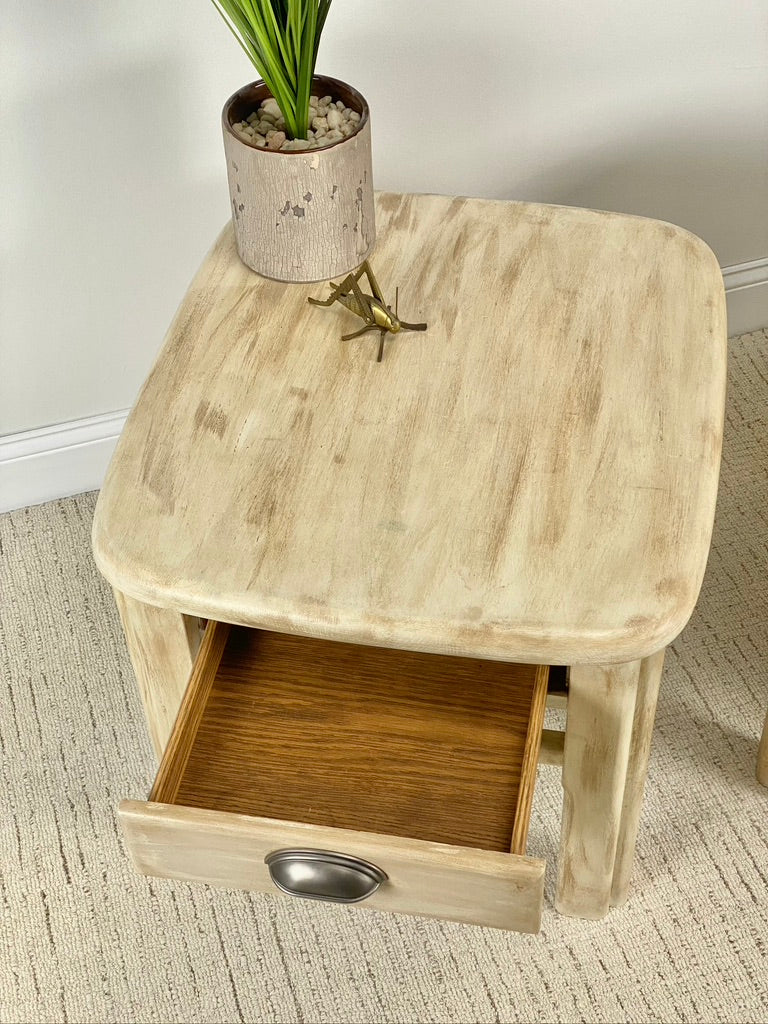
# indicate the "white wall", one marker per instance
pixel 113 180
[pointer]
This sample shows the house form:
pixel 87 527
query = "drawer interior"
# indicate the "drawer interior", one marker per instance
pixel 423 746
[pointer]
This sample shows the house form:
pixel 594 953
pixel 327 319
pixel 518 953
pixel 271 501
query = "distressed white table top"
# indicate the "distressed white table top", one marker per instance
pixel 533 479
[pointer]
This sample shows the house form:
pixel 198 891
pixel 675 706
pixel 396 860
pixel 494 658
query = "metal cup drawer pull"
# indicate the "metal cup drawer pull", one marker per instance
pixel 323 875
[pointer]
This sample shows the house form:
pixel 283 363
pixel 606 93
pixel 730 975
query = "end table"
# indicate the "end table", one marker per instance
pixel 532 480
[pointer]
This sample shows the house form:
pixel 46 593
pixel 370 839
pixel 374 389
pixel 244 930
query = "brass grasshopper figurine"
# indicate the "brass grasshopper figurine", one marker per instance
pixel 372 309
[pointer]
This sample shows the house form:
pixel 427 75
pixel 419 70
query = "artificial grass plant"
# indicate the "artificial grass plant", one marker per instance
pixel 281 38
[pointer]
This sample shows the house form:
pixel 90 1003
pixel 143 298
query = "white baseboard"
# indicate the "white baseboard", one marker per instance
pixel 69 458
pixel 57 461
pixel 746 289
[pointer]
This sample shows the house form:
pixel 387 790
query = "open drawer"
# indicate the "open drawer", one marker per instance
pixel 402 781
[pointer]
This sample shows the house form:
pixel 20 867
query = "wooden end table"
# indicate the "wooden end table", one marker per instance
pixel 531 480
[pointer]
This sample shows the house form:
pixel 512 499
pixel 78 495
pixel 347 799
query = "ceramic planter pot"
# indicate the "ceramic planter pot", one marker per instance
pixel 306 215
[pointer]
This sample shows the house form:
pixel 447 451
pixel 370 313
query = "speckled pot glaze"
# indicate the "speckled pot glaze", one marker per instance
pixel 307 215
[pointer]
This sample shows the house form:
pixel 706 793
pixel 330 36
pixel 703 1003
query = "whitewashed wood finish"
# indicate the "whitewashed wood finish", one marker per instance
pixel 532 479
pixel 762 756
pixel 303 216
pixel 598 735
pixel 552 747
pixel 637 770
pixel 429 879
pixel 162 645
pixel 557 701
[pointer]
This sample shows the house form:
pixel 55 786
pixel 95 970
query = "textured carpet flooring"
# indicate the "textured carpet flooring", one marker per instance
pixel 82 938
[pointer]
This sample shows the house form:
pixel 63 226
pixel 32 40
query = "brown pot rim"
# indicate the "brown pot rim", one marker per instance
pixel 256 92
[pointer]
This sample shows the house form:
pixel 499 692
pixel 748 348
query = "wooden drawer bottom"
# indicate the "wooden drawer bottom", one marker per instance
pixel 422 765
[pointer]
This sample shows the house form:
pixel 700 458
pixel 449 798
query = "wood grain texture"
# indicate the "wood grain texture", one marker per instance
pixel 530 760
pixel 303 216
pixel 162 645
pixel 598 733
pixel 637 770
pixel 762 756
pixel 187 724
pixel 532 479
pixel 482 887
pixel 429 747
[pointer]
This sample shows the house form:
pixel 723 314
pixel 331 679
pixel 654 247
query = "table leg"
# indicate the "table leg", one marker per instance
pixel 162 644
pixel 598 734
pixel 762 756
pixel 639 753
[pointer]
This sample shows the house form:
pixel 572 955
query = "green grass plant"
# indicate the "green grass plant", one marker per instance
pixel 281 38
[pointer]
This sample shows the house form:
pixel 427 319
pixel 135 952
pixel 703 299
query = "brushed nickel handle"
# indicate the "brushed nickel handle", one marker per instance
pixel 323 875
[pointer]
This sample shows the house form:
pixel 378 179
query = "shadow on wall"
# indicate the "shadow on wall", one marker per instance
pixel 665 146
pixel 112 215
pixel 691 181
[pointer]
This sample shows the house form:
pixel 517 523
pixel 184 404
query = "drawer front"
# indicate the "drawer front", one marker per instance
pixel 498 890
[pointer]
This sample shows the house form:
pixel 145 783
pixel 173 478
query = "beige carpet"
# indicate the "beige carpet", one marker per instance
pixel 82 938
